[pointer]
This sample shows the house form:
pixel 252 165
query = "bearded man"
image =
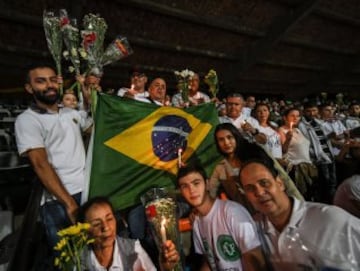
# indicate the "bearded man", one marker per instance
pixel 51 138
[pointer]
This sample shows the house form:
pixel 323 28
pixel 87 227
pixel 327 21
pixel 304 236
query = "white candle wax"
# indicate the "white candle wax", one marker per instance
pixel 179 157
pixel 163 230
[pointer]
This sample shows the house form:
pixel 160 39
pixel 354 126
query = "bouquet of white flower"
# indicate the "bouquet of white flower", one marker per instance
pixel 71 38
pixel 93 37
pixel 52 29
pixel 213 82
pixel 184 78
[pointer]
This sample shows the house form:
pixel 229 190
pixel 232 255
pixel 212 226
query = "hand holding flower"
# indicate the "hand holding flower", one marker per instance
pixel 170 255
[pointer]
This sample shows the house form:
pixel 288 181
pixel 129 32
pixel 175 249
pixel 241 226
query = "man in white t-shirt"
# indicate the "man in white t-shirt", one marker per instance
pixel 223 231
pixel 247 125
pixel 137 89
pixel 299 235
pixel 353 119
pixel 51 137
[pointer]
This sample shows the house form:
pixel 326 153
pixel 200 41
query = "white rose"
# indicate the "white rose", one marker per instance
pixel 74 52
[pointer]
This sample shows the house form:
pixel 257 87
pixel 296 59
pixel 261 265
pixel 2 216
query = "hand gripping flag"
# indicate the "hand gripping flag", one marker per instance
pixel 136 146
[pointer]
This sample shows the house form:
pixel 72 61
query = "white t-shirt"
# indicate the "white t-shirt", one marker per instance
pixel 224 234
pixel 142 262
pixel 319 234
pixel 60 134
pixel 273 142
pixel 239 121
pixel 352 122
pixel 334 126
pixel 178 101
pixel 141 96
pixel 299 147
pixel 347 195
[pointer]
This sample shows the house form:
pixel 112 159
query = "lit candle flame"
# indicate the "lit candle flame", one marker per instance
pixel 291 125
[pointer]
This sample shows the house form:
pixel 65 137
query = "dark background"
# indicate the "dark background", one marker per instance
pixel 277 48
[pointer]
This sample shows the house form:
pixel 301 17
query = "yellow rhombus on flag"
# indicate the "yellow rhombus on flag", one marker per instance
pixel 136 142
pixel 136 146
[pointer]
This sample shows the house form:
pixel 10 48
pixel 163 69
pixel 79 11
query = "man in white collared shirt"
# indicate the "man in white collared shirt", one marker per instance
pixel 296 234
pixel 157 92
pixel 247 125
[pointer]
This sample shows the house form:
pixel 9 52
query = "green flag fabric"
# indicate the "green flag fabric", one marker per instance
pixel 139 145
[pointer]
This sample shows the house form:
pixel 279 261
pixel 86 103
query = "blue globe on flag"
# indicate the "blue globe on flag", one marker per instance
pixel 169 134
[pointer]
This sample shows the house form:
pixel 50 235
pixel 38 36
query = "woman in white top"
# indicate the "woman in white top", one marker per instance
pixel 111 252
pixel 272 144
pixel 296 151
pixel 225 175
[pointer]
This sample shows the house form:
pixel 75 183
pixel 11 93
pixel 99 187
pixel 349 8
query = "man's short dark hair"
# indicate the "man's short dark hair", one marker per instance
pixel 310 104
pixel 268 163
pixel 33 66
pixel 191 168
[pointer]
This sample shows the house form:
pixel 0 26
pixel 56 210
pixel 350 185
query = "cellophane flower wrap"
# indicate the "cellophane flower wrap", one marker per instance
pixel 53 35
pixel 71 38
pixel 116 50
pixel 160 207
pixel 183 77
pixel 211 79
pixel 93 37
pixel 72 241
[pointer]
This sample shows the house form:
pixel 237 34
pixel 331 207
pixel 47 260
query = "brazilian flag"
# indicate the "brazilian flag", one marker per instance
pixel 136 146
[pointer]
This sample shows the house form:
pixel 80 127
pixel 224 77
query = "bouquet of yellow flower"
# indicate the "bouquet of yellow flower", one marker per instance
pixel 212 80
pixel 72 242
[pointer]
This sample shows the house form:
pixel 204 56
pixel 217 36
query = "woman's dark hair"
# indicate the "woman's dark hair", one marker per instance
pixel 87 205
pixel 267 106
pixel 287 111
pixel 262 104
pixel 249 151
pixel 191 168
pixel 234 131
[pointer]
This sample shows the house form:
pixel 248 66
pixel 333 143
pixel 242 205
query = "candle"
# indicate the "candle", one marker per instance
pixel 179 157
pixel 291 125
pixel 163 230
pixel 132 86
